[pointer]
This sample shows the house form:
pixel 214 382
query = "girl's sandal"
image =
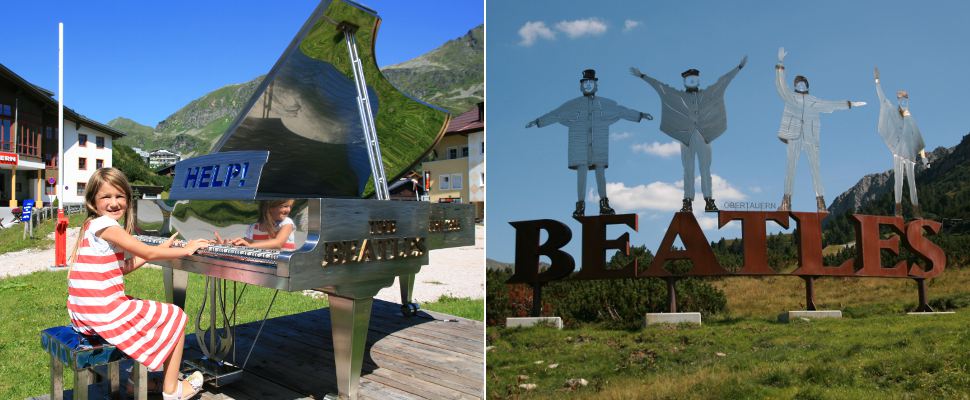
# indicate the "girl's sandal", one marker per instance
pixel 195 382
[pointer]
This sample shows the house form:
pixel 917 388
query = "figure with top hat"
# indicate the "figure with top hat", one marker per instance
pixel 588 118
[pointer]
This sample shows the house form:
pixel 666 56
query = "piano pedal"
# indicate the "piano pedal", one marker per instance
pixel 217 373
pixel 410 309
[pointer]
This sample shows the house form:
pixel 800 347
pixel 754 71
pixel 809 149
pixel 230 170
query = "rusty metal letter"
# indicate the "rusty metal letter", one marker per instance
pixel 923 247
pixel 595 245
pixel 528 250
pixel 754 234
pixel 696 249
pixel 810 248
pixel 870 245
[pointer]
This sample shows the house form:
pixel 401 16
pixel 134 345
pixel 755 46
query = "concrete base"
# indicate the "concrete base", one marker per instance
pixel 674 318
pixel 818 314
pixel 932 313
pixel 526 322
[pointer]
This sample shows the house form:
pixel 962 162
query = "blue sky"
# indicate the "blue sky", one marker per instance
pixel 144 60
pixel 917 47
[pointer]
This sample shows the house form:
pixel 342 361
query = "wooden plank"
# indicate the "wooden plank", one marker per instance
pixel 431 356
pixel 374 360
pixel 320 327
pixel 251 386
pixel 417 387
pixel 467 385
pixel 432 333
pixel 395 365
pixel 422 328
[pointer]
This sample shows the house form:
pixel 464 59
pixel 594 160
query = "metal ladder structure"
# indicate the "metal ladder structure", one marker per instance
pixel 367 118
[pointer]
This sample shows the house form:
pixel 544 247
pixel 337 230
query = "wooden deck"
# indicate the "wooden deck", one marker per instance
pixel 430 356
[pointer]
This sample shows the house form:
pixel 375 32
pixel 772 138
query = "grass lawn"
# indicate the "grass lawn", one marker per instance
pixel 876 352
pixel 11 239
pixel 31 303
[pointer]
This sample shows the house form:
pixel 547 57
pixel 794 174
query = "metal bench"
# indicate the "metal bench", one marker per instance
pixel 83 354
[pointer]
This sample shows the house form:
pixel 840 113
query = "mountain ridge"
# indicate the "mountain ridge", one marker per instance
pixel 451 76
pixel 873 185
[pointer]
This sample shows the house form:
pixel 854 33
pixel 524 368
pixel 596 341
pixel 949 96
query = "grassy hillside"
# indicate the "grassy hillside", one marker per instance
pixel 884 357
pixel 451 76
pixel 148 139
pixel 876 352
pixel 138 173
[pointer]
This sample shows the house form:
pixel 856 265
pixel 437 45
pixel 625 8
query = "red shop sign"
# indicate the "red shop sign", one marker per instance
pixel 8 158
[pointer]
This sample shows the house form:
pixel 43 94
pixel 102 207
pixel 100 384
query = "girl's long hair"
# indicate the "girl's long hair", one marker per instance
pixel 265 221
pixel 115 178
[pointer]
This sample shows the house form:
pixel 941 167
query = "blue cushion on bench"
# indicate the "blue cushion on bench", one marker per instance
pixel 76 350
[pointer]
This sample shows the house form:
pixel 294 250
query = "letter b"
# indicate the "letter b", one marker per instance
pixel 528 250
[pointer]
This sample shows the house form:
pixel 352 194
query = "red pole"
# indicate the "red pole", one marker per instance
pixel 60 240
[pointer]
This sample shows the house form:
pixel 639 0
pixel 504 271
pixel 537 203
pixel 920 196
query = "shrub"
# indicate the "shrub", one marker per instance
pixel 618 302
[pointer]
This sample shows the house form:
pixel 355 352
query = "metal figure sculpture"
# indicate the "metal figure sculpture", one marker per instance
pixel 800 128
pixel 694 117
pixel 898 129
pixel 588 118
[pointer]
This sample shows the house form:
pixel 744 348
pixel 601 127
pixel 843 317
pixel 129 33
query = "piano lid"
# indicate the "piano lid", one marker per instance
pixel 305 113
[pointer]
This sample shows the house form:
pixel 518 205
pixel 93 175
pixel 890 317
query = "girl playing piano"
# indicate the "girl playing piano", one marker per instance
pixel 273 230
pixel 150 332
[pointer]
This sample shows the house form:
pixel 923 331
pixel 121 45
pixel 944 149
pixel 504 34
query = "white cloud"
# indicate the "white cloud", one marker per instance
pixel 706 223
pixel 658 149
pixel 630 24
pixel 664 196
pixel 534 30
pixel 582 27
pixel 722 189
pixel 620 135
pixel 657 196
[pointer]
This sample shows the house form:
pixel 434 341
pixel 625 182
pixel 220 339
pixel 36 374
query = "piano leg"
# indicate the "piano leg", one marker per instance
pixel 349 319
pixel 408 307
pixel 175 283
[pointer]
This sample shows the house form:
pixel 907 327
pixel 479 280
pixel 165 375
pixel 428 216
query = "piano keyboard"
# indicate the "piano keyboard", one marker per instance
pixel 238 253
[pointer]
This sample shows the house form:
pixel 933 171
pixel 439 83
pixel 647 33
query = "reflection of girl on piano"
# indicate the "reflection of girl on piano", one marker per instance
pixel 148 331
pixel 273 230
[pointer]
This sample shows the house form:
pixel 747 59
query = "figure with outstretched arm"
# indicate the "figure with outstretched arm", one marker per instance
pixel 800 128
pixel 588 118
pixel 694 117
pixel 898 129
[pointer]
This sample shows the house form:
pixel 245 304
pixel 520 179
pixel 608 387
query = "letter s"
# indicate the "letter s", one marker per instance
pixel 925 249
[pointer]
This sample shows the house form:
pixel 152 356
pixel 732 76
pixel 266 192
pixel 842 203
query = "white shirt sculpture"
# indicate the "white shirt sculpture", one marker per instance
pixel 588 118
pixel 898 129
pixel 694 117
pixel 800 128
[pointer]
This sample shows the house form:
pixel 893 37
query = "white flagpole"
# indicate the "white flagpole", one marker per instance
pixel 60 232
pixel 60 116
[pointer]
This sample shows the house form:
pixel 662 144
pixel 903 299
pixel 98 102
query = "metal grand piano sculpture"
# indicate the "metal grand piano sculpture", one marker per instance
pixel 324 128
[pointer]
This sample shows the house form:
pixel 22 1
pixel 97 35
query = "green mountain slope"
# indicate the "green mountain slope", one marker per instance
pixel 944 195
pixel 149 139
pixel 451 76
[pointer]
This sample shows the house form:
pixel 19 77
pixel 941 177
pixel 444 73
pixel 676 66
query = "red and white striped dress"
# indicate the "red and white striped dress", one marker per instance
pixel 254 233
pixel 145 330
